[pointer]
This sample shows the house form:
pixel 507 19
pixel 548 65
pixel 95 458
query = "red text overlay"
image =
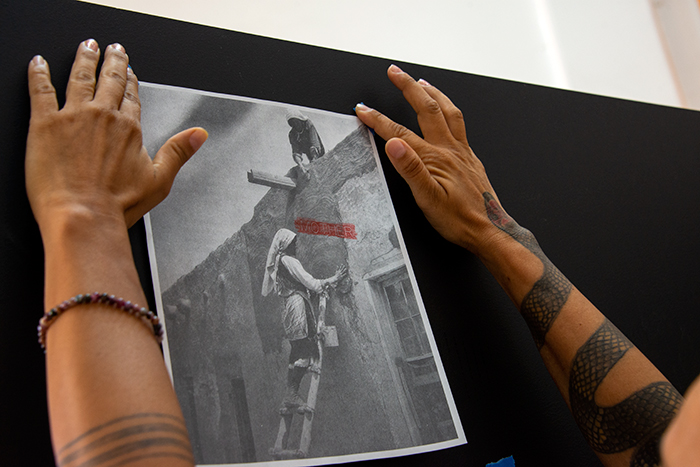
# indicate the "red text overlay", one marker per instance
pixel 312 227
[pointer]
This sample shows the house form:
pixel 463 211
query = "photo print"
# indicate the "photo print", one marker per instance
pixel 295 331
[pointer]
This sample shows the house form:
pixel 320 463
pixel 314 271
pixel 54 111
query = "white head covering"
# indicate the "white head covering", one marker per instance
pixel 283 238
pixel 294 114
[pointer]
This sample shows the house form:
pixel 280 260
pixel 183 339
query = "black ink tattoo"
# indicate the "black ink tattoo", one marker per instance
pixel 127 439
pixel 542 304
pixel 636 422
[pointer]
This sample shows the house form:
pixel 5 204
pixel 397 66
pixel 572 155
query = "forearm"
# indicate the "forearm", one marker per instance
pixel 108 389
pixel 621 402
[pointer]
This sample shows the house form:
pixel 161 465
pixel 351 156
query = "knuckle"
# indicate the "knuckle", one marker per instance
pixel 455 114
pixel 113 118
pixel 398 130
pixel 181 153
pixel 431 107
pixel 42 87
pixel 115 75
pixel 412 168
pixel 133 124
pixel 83 76
pixel 132 96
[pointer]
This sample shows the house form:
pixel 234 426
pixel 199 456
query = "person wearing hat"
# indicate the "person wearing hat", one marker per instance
pixel 304 139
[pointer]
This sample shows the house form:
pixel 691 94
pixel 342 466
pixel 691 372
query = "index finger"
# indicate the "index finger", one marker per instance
pixel 42 94
pixel 387 128
pixel 430 117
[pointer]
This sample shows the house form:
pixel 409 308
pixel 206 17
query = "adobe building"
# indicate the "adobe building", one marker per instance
pixel 379 389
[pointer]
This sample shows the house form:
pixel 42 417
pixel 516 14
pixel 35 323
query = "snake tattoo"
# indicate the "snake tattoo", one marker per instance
pixel 635 423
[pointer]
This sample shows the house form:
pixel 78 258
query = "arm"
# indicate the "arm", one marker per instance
pixel 621 402
pixel 297 271
pixel 296 151
pixel 317 149
pixel 88 179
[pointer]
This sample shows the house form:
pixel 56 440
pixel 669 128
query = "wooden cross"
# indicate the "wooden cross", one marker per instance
pixel 274 181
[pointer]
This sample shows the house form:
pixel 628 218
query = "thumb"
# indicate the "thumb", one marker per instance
pixel 175 152
pixel 409 165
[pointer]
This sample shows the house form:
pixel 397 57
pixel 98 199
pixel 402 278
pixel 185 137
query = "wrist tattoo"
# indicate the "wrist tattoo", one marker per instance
pixel 635 423
pixel 128 439
pixel 544 301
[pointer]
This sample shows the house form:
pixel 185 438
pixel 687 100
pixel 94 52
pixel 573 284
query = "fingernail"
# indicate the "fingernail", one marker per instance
pixel 361 107
pixel 423 82
pixel 394 69
pixel 118 47
pixel 92 45
pixel 38 60
pixel 395 149
pixel 198 138
pixel 129 70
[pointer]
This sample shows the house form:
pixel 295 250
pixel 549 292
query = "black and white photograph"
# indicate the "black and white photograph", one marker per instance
pixel 295 333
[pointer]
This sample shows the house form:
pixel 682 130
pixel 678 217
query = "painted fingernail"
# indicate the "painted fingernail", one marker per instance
pixel 92 45
pixel 361 107
pixel 118 46
pixel 394 69
pixel 129 70
pixel 423 82
pixel 38 60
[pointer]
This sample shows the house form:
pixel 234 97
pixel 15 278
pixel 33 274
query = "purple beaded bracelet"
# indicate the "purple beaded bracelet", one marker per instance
pixel 119 303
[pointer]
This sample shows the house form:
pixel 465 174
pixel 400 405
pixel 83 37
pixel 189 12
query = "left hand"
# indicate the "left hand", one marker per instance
pixel 88 157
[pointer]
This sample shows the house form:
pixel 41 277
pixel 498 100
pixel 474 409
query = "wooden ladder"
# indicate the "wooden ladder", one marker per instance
pixel 326 336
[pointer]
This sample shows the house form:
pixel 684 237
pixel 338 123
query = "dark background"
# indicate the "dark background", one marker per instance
pixel 609 187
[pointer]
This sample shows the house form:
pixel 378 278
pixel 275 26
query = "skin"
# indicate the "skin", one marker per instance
pixel 680 446
pixel 110 397
pixel 88 179
pixel 621 402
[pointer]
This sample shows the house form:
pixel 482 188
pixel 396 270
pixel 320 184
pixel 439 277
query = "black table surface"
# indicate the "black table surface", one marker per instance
pixel 609 187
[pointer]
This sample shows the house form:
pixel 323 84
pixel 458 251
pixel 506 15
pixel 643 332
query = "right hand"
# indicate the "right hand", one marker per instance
pixel 340 272
pixel 446 178
pixel 335 278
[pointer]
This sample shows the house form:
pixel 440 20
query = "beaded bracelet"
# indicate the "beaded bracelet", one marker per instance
pixel 124 305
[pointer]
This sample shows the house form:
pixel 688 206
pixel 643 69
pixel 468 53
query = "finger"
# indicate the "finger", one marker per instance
pixel 112 81
pixel 131 104
pixel 81 83
pixel 175 153
pixel 167 163
pixel 386 127
pixel 42 94
pixel 453 116
pixel 430 118
pixel 410 166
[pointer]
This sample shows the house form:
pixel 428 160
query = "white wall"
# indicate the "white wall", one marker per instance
pixel 618 48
